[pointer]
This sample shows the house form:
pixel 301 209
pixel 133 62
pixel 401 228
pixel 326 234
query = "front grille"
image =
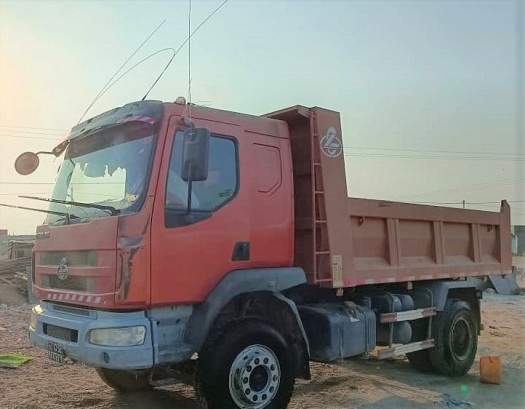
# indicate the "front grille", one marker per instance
pixel 71 310
pixel 73 283
pixel 79 258
pixel 65 334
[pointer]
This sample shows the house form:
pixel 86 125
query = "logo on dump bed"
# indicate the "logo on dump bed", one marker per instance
pixel 331 145
pixel 62 270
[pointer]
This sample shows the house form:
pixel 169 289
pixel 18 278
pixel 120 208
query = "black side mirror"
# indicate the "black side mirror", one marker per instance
pixel 26 163
pixel 195 154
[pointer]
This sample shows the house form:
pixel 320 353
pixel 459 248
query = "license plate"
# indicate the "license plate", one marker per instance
pixel 56 352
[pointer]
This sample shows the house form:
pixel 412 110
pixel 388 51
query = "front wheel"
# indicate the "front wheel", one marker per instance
pixel 247 367
pixel 455 333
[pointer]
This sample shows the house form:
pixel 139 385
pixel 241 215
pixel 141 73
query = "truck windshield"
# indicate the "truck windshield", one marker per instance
pixel 109 167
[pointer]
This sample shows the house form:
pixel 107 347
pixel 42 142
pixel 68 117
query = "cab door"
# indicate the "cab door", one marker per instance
pixel 190 254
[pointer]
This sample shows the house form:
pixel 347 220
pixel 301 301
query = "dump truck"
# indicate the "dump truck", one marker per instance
pixel 185 243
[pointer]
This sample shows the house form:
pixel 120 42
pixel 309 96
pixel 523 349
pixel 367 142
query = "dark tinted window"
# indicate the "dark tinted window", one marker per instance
pixel 209 194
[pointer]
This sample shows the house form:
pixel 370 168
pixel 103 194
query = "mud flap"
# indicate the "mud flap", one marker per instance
pixel 505 285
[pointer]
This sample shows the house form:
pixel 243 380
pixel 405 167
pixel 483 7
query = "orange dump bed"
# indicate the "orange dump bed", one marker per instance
pixel 346 242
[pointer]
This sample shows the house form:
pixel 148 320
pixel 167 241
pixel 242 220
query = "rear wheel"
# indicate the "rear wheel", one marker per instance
pixel 125 381
pixel 455 332
pixel 247 367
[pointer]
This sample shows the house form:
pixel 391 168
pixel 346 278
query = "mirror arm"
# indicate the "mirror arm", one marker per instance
pixel 45 153
pixel 190 187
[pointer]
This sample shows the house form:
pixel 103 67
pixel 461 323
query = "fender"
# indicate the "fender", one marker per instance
pixel 234 284
pixel 440 289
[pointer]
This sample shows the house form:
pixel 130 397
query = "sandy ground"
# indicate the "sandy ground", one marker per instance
pixel 356 383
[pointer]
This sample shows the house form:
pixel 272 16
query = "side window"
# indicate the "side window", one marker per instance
pixel 209 194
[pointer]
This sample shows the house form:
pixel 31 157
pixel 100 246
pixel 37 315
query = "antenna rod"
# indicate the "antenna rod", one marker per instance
pixel 175 52
pixel 183 44
pixel 103 90
pixel 189 55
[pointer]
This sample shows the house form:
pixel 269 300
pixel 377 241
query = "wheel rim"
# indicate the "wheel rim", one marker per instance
pixel 254 378
pixel 460 339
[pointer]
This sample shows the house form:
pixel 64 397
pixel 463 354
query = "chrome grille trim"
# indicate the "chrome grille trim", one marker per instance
pixel 80 258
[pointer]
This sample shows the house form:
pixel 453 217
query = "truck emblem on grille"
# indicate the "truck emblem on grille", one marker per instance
pixel 331 144
pixel 62 270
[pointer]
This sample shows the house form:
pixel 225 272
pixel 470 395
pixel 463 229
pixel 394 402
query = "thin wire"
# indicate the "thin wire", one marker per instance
pixel 435 151
pixel 379 155
pixel 33 132
pixel 29 137
pixel 470 203
pixel 26 183
pixel 32 127
pixel 471 187
pixel 189 58
pixel 102 91
pixel 137 64
pixel 184 43
pixel 25 193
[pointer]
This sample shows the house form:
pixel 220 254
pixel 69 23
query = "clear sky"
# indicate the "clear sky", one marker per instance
pixel 428 90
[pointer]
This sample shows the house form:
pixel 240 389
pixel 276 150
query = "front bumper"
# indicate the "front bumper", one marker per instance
pixel 70 327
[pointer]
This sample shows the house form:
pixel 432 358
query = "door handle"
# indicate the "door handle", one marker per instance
pixel 241 251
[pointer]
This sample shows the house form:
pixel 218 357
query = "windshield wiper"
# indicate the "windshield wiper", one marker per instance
pixel 67 216
pixel 113 211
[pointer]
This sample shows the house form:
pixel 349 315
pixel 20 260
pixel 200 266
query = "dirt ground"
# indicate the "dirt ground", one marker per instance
pixel 355 383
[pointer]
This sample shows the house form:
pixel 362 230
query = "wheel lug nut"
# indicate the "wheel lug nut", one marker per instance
pixel 257 361
pixel 245 380
pixel 248 368
pixel 265 360
pixel 264 397
pixel 247 391
pixel 272 367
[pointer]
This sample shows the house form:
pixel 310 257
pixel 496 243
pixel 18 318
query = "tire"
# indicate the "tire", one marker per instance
pixel 125 381
pixel 248 367
pixel 419 359
pixel 455 333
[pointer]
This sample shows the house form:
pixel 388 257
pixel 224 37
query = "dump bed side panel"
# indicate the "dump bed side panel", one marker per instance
pixel 405 242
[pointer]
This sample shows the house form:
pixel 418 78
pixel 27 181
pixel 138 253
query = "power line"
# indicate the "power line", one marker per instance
pixel 32 127
pixel 30 137
pixel 470 203
pixel 435 151
pixel 27 183
pixel 471 187
pixel 33 132
pixel 24 193
pixel 386 156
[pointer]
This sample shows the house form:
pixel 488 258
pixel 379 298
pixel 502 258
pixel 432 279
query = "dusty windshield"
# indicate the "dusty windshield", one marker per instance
pixel 110 168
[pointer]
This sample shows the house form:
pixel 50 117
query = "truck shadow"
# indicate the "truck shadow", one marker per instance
pixel 374 384
pixel 156 399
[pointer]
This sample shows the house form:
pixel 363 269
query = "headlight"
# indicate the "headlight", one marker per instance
pixel 35 312
pixel 118 337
